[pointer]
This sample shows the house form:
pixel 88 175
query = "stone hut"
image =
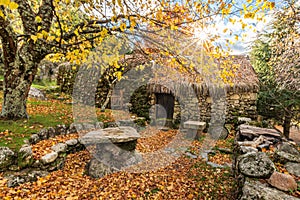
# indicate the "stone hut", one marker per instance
pixel 179 96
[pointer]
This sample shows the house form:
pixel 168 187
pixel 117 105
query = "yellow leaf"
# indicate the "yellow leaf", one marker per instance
pixel 118 75
pixel 236 37
pixel 44 33
pixel 173 27
pixel 265 6
pixel 122 27
pixel 38 19
pixel 34 38
pixel 76 32
pixel 13 5
pixel 1 14
pixel 271 5
pixel 244 25
pixel 39 35
pixel 4 2
pixel 232 20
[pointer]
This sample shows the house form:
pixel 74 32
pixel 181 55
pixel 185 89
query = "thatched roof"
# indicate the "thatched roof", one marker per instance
pixel 171 81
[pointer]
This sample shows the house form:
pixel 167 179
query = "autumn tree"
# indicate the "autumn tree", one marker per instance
pixel 276 59
pixel 65 29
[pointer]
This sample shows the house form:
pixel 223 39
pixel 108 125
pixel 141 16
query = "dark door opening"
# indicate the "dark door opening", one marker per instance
pixel 167 102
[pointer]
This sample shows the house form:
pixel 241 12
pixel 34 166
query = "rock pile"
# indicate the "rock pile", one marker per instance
pixel 256 150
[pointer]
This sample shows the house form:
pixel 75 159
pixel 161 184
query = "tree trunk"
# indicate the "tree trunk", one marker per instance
pixel 17 81
pixel 287 122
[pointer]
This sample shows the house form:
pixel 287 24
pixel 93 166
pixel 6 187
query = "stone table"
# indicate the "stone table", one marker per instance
pixel 113 147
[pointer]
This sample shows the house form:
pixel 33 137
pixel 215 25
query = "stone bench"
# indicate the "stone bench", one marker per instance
pixel 194 128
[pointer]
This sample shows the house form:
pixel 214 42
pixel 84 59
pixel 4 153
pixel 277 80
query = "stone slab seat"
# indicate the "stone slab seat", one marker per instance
pixel 196 125
pixel 195 128
pixel 120 134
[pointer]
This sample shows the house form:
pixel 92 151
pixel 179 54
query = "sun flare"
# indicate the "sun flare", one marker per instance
pixel 200 35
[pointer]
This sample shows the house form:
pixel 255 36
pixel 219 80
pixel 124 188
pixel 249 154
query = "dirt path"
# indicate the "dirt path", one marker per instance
pixel 294 133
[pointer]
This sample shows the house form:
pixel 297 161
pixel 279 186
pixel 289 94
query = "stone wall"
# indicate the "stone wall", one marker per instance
pixel 235 105
pixel 265 165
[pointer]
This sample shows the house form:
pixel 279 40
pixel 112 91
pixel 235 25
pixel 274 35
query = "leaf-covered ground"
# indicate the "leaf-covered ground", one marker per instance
pixel 186 178
pixel 181 178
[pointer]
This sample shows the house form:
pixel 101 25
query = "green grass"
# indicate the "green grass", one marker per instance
pixel 13 133
pixel 45 85
pixel 45 114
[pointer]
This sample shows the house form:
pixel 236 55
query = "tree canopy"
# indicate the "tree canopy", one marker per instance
pixel 68 30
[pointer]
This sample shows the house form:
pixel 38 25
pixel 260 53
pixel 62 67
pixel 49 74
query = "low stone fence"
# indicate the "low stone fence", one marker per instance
pixel 51 132
pixel 20 167
pixel 259 156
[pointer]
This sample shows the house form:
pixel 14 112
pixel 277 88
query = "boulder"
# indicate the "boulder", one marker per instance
pixel 128 122
pixel 7 157
pixel 16 178
pixel 61 129
pixel 13 181
pixel 76 127
pixel 284 157
pixel 43 134
pixel 256 165
pixel 256 190
pixel 284 182
pixel 115 156
pixel 25 156
pixel 34 138
pixel 59 147
pixel 288 148
pixel 244 120
pixel 51 132
pixel 72 129
pixel 49 158
pixel 88 126
pixel 36 93
pixel 250 132
pixel 293 168
pixel 224 134
pixel 71 142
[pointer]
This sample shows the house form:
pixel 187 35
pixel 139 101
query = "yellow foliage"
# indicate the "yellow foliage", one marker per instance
pixel 13 5
pixel 4 2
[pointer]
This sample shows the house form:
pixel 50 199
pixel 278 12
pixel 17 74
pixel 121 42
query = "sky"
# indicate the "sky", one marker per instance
pixel 241 46
pixel 246 37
